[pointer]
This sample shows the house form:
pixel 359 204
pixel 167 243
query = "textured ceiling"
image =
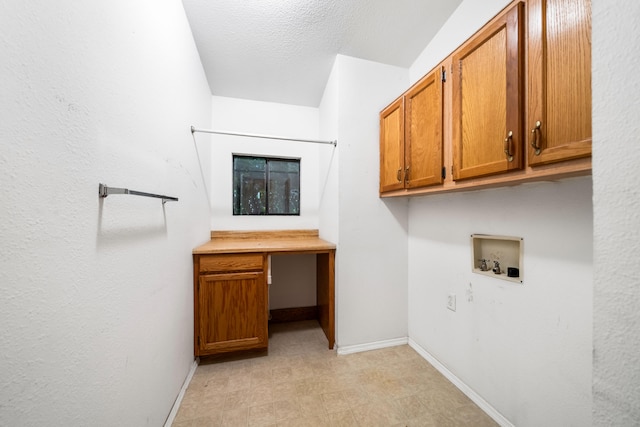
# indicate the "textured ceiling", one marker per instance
pixel 283 50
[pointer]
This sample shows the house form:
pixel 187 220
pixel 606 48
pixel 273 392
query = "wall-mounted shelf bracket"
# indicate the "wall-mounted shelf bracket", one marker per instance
pixel 104 191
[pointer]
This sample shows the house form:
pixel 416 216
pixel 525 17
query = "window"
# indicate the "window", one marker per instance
pixel 266 186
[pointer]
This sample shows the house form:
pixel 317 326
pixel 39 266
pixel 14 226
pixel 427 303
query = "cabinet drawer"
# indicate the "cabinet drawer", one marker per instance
pixel 218 263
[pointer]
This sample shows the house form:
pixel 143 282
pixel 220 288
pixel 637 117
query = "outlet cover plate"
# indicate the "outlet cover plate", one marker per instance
pixel 451 302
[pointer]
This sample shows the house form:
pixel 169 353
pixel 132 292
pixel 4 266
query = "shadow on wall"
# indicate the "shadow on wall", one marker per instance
pixel 122 226
pixel 398 208
pixel 204 180
pixel 327 175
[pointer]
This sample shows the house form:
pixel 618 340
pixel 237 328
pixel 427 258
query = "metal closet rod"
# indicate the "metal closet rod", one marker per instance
pixel 104 191
pixel 254 135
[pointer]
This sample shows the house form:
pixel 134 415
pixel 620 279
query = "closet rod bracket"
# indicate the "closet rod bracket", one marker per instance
pixel 104 191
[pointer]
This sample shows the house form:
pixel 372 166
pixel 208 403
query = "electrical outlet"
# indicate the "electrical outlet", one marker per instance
pixel 451 302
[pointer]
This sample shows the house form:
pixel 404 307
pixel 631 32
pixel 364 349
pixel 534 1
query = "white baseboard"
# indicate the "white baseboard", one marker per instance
pixel 178 401
pixel 350 349
pixel 475 397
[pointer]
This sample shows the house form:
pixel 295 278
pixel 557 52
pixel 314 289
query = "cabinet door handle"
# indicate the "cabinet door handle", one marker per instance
pixel 400 174
pixel 508 142
pixel 406 174
pixel 535 142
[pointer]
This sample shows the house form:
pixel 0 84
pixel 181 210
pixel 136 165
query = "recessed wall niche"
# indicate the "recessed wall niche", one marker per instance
pixel 497 256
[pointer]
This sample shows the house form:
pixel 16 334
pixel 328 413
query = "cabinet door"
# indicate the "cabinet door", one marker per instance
pixel 559 118
pixel 232 312
pixel 423 132
pixel 392 147
pixel 488 99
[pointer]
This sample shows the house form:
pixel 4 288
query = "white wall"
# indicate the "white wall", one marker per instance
pixel 468 18
pixel 616 202
pixel 371 266
pixel 526 350
pixel 96 295
pixel 329 183
pixel 265 118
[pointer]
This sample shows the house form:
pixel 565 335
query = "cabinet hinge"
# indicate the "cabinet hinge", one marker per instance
pixel 198 341
pixel 444 172
pixel 444 76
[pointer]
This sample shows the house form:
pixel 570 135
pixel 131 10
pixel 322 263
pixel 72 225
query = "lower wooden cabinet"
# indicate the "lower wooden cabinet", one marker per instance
pixel 230 303
pixel 230 291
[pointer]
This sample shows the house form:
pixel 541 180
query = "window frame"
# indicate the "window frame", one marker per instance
pixel 266 158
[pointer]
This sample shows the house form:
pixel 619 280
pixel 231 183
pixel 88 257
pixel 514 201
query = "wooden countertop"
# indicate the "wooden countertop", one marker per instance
pixel 280 241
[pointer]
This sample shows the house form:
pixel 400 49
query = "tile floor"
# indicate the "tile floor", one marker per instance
pixel 302 383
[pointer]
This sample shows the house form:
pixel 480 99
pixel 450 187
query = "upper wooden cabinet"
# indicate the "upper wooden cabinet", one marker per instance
pixel 488 98
pixel 559 107
pixel 411 137
pixel 515 108
pixel 423 132
pixel 392 147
